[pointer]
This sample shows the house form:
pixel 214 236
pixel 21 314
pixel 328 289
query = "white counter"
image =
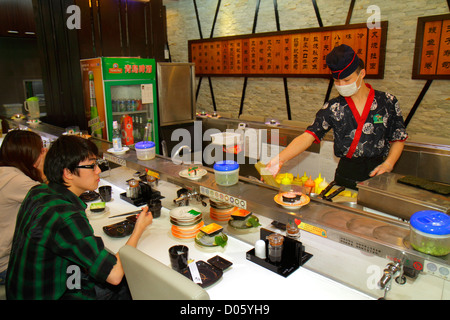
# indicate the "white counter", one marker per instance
pixel 244 279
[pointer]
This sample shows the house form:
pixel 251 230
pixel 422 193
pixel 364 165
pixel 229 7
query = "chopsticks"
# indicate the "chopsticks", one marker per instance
pixel 126 214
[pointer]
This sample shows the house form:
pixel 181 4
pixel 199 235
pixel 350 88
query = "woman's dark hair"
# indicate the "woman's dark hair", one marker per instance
pixel 21 149
pixel 66 153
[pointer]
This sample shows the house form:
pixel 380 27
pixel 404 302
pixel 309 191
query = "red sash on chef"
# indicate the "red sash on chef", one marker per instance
pixel 360 119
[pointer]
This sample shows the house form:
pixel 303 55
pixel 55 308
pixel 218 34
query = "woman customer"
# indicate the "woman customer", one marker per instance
pixel 21 167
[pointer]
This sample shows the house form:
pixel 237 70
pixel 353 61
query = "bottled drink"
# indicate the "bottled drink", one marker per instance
pixel 141 129
pixel 148 130
pixel 93 102
pixel 127 130
pixel 117 137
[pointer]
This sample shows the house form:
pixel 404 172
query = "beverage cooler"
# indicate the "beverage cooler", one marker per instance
pixel 121 89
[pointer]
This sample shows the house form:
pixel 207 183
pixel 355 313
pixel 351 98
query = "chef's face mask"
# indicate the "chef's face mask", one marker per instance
pixel 349 89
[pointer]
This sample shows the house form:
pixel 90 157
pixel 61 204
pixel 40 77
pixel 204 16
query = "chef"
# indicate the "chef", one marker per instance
pixel 368 127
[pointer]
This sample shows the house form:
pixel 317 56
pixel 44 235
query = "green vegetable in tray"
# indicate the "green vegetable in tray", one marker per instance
pixel 253 222
pixel 97 207
pixel 220 241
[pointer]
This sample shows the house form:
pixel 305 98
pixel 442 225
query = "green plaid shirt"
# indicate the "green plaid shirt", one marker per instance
pixel 53 238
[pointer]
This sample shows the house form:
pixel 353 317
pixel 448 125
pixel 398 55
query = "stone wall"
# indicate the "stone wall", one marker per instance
pixel 265 96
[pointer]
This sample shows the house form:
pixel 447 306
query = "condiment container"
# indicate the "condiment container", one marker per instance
pixel 304 178
pixel 297 181
pixel 317 182
pixel 321 186
pixel 226 172
pixel 260 249
pixel 145 150
pixel 430 232
pixel 285 185
pixel 309 186
pixel 281 176
pixel 133 189
pixel 275 247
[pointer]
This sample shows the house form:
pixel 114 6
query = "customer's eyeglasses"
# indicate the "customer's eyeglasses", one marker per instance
pixel 91 166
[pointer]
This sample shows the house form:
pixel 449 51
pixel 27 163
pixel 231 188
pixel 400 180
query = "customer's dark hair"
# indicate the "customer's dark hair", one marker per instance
pixel 21 149
pixel 66 153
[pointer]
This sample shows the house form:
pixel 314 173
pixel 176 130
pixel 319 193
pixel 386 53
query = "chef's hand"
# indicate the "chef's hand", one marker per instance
pixel 382 168
pixel 274 165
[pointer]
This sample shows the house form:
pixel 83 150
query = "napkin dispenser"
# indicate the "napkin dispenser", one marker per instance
pixel 293 255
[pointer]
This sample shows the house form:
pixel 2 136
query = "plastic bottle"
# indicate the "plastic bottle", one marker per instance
pixel 148 130
pixel 93 103
pixel 127 130
pixel 297 180
pixel 309 186
pixel 321 186
pixel 285 185
pixel 304 178
pixel 317 182
pixel 141 129
pixel 117 137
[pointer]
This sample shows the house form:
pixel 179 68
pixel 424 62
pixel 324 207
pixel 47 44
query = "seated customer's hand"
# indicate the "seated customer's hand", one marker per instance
pixel 145 218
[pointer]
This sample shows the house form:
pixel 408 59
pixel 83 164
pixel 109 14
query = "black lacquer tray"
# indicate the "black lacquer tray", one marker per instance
pixel 292 257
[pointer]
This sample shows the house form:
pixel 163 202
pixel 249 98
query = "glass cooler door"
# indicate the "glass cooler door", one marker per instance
pixel 131 102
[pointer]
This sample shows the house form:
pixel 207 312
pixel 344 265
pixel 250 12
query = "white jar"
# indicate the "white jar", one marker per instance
pixel 226 172
pixel 145 150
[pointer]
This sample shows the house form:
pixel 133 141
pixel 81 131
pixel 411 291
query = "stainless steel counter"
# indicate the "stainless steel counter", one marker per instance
pixel 379 235
pixel 384 193
pixel 375 234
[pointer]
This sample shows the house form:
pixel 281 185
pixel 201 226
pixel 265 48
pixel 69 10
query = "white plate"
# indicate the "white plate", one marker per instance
pixel 33 122
pixel 304 200
pixel 97 215
pixel 182 213
pixel 200 173
pixel 124 149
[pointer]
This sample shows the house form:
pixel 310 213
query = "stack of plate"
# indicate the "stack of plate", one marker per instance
pixel 186 222
pixel 220 211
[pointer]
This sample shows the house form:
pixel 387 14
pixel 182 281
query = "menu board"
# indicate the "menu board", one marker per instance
pixel 295 53
pixel 432 51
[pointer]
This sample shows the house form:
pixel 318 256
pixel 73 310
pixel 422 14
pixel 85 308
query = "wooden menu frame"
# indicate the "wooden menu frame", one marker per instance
pixel 293 53
pixel 432 49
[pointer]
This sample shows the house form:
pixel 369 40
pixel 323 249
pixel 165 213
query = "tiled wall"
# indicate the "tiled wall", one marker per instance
pixel 265 96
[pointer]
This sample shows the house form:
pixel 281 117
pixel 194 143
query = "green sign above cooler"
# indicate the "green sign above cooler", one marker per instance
pixel 123 68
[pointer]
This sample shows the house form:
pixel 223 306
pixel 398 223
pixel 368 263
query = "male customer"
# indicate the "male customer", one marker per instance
pixel 53 241
pixel 368 127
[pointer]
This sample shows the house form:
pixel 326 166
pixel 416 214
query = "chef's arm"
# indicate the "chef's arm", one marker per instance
pixel 297 146
pixel 394 154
